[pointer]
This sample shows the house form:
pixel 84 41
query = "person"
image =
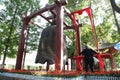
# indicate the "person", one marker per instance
pixel 88 58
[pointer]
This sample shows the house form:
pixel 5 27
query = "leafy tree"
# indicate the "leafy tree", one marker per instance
pixel 11 22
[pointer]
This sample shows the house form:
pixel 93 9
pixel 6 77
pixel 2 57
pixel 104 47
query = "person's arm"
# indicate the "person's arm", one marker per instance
pixel 81 52
pixel 94 52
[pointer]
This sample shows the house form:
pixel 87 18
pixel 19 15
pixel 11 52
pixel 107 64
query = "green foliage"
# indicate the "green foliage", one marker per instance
pixel 87 35
pixel 11 22
pixel 74 5
pixel 117 60
pixel 32 38
pixel 71 46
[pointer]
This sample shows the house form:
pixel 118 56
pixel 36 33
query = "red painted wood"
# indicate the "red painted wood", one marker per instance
pixel 24 28
pixel 59 34
pixel 21 44
pixel 59 37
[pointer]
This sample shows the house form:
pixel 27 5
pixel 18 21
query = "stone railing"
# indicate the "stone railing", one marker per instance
pixel 14 76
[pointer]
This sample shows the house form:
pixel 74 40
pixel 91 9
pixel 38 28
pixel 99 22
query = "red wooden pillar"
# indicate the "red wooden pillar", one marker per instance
pixel 78 45
pixel 21 44
pixel 78 40
pixel 112 62
pixel 77 34
pixel 59 48
pixel 59 36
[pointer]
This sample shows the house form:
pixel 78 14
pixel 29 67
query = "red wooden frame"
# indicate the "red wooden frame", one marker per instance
pixel 59 29
pixel 79 58
pixel 58 7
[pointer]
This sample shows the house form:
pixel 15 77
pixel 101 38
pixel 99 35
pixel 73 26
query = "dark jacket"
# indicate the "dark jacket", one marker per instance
pixel 88 54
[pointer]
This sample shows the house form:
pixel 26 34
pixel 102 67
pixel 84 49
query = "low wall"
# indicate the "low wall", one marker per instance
pixel 14 76
pixel 10 78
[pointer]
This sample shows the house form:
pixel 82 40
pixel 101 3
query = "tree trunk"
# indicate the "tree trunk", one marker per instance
pixel 117 24
pixel 117 9
pixel 9 37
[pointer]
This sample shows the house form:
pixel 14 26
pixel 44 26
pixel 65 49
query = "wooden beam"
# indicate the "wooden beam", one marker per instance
pixel 53 12
pixel 48 7
pixel 68 13
pixel 21 44
pixel 71 27
pixel 59 35
pixel 46 18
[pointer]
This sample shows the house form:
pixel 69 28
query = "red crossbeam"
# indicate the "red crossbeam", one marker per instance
pixel 79 58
